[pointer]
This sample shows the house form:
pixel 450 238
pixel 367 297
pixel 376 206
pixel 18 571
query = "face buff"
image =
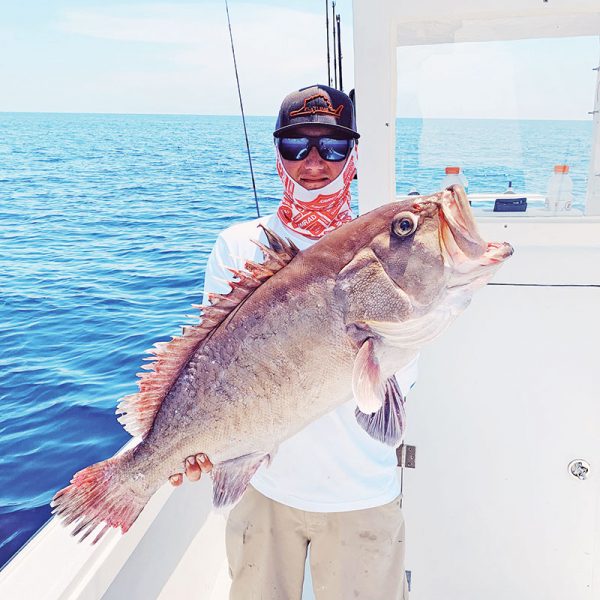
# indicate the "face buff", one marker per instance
pixel 313 213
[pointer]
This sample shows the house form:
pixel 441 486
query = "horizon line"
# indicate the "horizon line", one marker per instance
pixel 148 114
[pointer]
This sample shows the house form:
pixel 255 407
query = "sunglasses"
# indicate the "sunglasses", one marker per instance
pixel 330 149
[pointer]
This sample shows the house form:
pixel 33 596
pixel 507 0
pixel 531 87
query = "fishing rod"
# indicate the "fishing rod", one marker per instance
pixel 327 28
pixel 334 52
pixel 242 109
pixel 339 40
pixel 336 31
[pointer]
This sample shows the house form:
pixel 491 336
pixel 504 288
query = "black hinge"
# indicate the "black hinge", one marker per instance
pixel 406 456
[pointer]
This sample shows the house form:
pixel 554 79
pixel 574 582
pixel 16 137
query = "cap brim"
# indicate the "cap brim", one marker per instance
pixel 288 128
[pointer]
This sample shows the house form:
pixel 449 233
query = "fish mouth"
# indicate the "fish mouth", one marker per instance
pixel 470 259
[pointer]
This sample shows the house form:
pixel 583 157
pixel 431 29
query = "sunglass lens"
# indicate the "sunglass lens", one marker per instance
pixel 333 149
pixel 294 148
pixel 330 149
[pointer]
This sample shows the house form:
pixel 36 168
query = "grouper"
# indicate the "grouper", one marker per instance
pixel 296 336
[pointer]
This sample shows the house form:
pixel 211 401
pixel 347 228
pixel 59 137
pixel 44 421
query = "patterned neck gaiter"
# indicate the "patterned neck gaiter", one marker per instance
pixel 313 213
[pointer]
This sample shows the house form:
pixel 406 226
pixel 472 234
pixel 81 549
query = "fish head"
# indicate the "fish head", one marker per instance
pixel 432 249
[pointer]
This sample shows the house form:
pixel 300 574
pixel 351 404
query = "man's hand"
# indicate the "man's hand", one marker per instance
pixel 194 467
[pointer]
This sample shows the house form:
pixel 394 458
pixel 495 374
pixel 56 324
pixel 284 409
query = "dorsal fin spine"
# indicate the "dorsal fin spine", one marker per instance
pixel 167 359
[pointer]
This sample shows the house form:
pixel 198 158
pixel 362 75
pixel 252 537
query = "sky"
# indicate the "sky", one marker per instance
pixel 138 56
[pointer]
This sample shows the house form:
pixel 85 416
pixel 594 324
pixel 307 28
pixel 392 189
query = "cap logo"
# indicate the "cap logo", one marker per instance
pixel 313 105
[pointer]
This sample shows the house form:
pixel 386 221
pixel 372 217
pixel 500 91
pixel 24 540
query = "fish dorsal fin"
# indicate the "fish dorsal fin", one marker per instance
pixel 137 411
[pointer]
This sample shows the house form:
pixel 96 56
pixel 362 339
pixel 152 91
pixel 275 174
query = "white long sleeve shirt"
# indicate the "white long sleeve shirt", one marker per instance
pixel 331 465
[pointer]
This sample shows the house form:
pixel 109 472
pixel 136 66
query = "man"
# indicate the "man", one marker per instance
pixel 331 486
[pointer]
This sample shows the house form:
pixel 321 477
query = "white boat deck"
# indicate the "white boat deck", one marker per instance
pixel 175 548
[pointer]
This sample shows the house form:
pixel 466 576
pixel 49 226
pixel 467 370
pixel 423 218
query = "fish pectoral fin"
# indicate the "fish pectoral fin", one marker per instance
pixel 367 387
pixel 231 477
pixel 387 424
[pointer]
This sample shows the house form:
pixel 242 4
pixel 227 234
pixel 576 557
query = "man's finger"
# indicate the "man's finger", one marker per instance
pixel 192 468
pixel 205 464
pixel 176 480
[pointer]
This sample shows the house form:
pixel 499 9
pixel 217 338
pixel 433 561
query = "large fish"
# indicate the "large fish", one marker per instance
pixel 295 337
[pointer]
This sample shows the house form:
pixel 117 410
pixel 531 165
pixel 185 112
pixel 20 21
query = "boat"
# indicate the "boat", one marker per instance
pixel 502 500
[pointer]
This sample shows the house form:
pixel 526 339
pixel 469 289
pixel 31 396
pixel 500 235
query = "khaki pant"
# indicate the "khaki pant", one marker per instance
pixel 355 554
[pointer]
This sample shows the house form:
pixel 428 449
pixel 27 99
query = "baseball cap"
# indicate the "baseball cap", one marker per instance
pixel 319 104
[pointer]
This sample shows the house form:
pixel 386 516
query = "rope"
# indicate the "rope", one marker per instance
pixel 242 109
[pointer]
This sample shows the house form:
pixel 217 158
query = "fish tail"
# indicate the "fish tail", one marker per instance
pixel 100 494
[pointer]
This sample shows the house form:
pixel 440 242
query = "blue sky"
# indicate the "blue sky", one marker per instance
pixel 174 57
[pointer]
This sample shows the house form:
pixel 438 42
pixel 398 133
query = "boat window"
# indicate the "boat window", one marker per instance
pixel 505 113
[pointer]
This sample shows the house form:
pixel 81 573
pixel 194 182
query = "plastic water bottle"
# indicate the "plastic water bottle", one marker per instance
pixel 454 177
pixel 560 189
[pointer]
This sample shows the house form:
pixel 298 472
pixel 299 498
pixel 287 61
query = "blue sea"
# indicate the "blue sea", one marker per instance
pixel 106 222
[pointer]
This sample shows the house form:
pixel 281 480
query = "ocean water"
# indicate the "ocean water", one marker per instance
pixel 106 222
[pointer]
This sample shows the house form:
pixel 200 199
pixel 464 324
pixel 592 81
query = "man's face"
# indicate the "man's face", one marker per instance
pixel 313 172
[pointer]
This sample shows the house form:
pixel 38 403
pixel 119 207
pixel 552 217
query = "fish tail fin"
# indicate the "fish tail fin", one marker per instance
pixel 100 494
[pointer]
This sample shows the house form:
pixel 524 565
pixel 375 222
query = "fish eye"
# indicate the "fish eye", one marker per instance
pixel 404 224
